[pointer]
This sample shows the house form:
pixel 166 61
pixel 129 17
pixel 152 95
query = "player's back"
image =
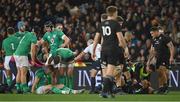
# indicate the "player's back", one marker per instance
pixel 10 45
pixel 108 30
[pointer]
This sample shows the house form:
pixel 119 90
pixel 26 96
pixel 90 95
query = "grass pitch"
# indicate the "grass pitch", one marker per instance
pixel 172 96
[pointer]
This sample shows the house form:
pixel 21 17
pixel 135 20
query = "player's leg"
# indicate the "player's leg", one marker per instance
pixel 93 73
pixel 162 79
pixel 70 74
pixel 43 89
pixel 62 78
pixel 23 71
pixel 8 71
pixel 18 76
pixel 60 89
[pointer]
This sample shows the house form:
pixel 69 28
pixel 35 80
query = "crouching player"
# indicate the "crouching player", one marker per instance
pixel 64 57
pixel 43 83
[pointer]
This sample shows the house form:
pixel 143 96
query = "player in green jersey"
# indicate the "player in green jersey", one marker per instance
pixel 43 83
pixel 56 39
pixel 26 45
pixel 9 46
pixel 64 57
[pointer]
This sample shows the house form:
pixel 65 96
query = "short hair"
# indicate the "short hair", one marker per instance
pixel 154 28
pixel 10 30
pixel 103 17
pixel 110 10
pixel 119 19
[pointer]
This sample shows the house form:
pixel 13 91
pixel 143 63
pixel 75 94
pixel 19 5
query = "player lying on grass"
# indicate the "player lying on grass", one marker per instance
pixel 138 81
pixel 43 83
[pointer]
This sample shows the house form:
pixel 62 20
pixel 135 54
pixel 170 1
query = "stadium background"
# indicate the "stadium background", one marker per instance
pixel 81 18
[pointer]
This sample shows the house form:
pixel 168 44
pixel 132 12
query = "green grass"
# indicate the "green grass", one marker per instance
pixel 172 96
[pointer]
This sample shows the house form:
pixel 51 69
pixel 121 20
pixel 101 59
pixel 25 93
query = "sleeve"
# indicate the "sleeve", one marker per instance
pixel 45 37
pixel 117 27
pixel 38 74
pixel 86 50
pixel 166 40
pixel 34 39
pixel 60 34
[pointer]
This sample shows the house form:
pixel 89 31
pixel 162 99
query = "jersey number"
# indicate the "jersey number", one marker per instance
pixel 106 30
pixel 12 46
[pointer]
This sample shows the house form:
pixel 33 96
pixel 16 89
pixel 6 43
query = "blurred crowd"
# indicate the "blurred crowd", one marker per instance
pixel 80 19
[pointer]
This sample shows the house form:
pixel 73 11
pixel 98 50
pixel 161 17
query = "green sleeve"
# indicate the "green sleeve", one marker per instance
pixel 60 33
pixel 34 39
pixel 45 37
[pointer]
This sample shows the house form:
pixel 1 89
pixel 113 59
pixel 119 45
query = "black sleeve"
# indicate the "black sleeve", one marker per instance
pixel 166 40
pixel 117 27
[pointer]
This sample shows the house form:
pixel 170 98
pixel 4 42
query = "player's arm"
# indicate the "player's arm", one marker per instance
pixel 79 56
pixel 33 48
pixel 35 82
pixel 151 55
pixel 172 51
pixel 96 40
pixel 86 50
pixel 66 41
pixel 121 40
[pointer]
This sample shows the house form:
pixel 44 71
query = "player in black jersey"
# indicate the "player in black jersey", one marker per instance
pixel 163 50
pixel 112 48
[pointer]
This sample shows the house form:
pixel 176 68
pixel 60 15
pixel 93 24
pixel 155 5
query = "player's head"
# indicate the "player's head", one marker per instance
pixel 103 17
pixel 59 23
pixel 57 59
pixel 112 11
pixel 21 26
pixel 10 31
pixel 89 42
pixel 120 20
pixel 154 31
pixel 128 36
pixel 48 26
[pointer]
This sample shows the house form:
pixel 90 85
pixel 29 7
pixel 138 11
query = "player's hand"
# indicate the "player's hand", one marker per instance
pixel 171 60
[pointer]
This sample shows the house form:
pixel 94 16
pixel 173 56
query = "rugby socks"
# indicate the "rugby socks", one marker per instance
pixel 62 79
pixel 9 81
pixel 18 86
pixel 70 82
pixel 92 83
pixel 25 88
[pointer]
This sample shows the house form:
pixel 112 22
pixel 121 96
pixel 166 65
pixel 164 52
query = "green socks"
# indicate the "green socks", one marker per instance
pixel 70 82
pixel 18 86
pixel 61 79
pixel 9 81
pixel 25 88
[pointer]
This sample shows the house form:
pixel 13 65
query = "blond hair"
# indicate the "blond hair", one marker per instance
pixel 110 10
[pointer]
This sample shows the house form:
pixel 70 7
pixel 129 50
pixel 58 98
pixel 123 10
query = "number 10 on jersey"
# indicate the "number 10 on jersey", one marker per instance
pixel 106 30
